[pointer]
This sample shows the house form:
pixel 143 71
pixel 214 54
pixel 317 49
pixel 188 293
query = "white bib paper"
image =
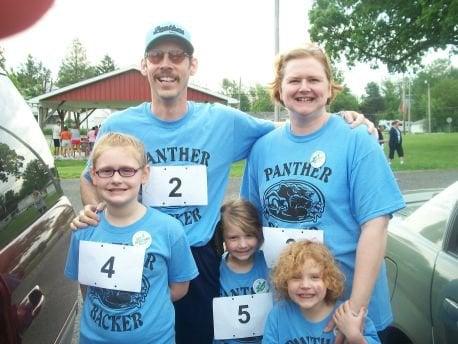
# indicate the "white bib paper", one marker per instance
pixel 176 186
pixel 111 266
pixel 241 316
pixel 276 239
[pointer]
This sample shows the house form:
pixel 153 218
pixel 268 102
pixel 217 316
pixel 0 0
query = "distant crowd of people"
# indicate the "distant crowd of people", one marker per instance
pixel 69 144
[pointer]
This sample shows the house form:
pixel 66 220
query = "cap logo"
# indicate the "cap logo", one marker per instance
pixel 173 28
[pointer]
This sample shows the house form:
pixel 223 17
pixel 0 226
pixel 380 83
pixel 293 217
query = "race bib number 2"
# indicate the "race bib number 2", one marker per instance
pixel 176 186
pixel 110 266
pixel 276 239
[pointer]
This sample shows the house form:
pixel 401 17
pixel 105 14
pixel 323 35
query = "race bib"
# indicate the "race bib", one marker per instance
pixel 176 186
pixel 111 266
pixel 241 316
pixel 276 239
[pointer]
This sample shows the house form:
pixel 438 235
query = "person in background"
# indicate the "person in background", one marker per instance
pixel 91 137
pixel 395 142
pixel 243 269
pixel 316 174
pixel 308 283
pixel 119 168
pixel 76 142
pixel 381 140
pixel 56 139
pixel 65 137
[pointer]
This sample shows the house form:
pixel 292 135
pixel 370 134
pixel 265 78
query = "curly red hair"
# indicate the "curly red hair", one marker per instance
pixel 291 263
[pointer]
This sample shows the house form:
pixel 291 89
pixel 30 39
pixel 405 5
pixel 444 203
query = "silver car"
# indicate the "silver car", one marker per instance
pixel 422 266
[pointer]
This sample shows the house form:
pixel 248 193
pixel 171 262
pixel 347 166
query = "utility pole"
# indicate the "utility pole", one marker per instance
pixel 277 49
pixel 429 107
pixel 408 109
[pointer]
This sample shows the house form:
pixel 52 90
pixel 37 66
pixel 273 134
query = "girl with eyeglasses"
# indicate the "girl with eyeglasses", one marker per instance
pixel 128 300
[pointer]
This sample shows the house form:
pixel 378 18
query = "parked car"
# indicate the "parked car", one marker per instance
pixel 422 267
pixel 37 303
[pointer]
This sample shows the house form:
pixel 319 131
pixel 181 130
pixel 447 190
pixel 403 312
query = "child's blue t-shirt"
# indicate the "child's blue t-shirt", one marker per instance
pixel 113 316
pixel 244 283
pixel 334 179
pixel 212 135
pixel 252 282
pixel 286 324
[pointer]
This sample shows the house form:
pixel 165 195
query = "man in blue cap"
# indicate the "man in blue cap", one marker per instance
pixel 190 147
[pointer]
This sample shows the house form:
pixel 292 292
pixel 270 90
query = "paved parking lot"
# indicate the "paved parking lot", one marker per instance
pixel 408 180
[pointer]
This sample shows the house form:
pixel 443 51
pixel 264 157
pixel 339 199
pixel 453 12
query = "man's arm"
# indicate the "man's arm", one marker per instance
pixel 91 203
pixel 369 256
pixel 87 191
pixel 178 290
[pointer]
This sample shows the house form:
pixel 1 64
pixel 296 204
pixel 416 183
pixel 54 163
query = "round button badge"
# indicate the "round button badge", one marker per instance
pixel 142 239
pixel 318 159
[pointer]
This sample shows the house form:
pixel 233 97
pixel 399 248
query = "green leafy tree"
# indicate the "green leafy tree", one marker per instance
pixel 344 101
pixel 106 65
pixel 260 99
pixel 75 66
pixel 392 99
pixel 372 102
pixel 10 163
pixel 435 75
pixel 233 89
pixel 397 33
pixel 35 177
pixel 32 79
pixel 444 104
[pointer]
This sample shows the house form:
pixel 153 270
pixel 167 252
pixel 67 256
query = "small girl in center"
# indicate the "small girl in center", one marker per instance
pixel 308 283
pixel 243 269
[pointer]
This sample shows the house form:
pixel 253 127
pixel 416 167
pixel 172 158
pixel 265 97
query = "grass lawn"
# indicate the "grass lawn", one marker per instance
pixel 422 152
pixel 437 151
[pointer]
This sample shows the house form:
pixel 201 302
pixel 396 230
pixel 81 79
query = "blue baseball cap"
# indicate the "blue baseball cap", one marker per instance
pixel 167 30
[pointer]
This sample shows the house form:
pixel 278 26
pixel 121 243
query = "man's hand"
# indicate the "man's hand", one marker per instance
pixel 87 217
pixel 355 119
pixel 349 323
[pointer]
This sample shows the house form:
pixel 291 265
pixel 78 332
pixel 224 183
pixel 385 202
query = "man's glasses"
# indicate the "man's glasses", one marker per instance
pixel 123 172
pixel 156 56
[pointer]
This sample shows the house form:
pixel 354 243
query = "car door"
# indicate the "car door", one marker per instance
pixel 444 292
pixel 37 303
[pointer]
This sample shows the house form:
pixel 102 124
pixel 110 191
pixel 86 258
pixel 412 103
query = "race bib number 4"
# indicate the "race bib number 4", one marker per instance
pixel 241 316
pixel 176 186
pixel 276 239
pixel 111 266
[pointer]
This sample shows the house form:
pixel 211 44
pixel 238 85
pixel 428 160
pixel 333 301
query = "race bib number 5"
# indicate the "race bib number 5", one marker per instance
pixel 110 266
pixel 241 316
pixel 176 186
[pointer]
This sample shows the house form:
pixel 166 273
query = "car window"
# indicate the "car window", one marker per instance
pixel 28 183
pixel 452 244
pixel 27 187
pixel 430 219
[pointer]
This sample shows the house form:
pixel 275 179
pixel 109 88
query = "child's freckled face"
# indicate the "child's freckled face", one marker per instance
pixel 308 289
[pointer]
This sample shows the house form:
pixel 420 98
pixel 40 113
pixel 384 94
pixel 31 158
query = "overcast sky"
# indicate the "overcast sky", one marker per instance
pixel 233 39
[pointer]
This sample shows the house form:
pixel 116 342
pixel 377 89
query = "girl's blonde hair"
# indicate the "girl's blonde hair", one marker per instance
pixel 125 141
pixel 242 214
pixel 291 264
pixel 310 50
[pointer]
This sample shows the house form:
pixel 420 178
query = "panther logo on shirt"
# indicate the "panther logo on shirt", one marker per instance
pixel 118 299
pixel 293 201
